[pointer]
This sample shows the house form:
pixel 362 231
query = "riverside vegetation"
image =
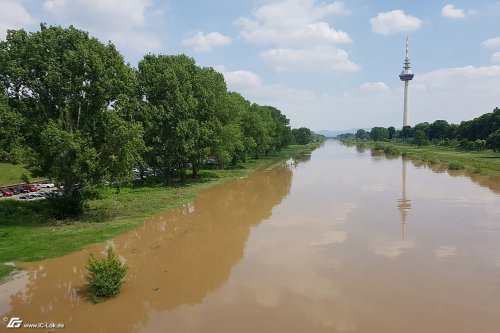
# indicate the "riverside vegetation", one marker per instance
pixel 72 111
pixel 473 145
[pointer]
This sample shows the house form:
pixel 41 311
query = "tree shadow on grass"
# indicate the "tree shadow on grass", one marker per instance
pixel 32 213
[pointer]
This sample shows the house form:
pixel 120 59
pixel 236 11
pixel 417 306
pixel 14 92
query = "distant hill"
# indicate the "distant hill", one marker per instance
pixel 332 134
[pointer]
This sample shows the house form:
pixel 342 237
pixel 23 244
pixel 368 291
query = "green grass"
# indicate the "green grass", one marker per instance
pixel 487 161
pixel 483 162
pixel 29 233
pixel 11 174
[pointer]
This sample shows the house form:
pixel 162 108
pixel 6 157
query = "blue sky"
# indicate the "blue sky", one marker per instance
pixel 326 64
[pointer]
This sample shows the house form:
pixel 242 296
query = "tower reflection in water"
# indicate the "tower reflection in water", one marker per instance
pixel 404 204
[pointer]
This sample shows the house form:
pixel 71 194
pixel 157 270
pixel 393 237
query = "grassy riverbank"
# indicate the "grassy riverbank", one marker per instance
pixel 484 162
pixel 29 233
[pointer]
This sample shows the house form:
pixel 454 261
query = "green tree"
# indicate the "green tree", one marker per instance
pixel 302 135
pixel 229 142
pixel 419 138
pixel 405 133
pixel 69 84
pixel 438 130
pixel 379 134
pixel 166 84
pixel 392 132
pixel 424 127
pixel 361 134
pixel 11 127
pixel 493 141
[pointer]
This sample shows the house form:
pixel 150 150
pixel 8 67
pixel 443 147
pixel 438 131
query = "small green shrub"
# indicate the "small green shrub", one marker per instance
pixel 105 276
pixel 434 160
pixel 361 144
pixel 456 166
pixel 392 150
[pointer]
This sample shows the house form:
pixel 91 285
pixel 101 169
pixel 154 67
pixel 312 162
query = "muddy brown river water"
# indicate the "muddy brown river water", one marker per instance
pixel 342 240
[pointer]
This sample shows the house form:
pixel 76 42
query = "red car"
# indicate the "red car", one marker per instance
pixel 31 188
pixel 6 192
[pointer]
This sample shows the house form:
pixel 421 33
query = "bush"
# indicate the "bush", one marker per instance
pixel 66 207
pixel 467 145
pixel 105 276
pixel 379 146
pixel 392 150
pixel 456 166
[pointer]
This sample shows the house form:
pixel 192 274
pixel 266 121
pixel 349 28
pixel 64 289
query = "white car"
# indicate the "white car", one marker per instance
pixel 47 185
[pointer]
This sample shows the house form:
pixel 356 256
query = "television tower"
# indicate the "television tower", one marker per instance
pixel 406 76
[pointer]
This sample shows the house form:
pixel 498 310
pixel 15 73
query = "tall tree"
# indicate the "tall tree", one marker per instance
pixel 302 135
pixel 379 134
pixel 167 86
pixel 69 83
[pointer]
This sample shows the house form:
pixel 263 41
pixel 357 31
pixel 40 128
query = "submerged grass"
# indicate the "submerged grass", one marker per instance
pixel 29 233
pixel 5 271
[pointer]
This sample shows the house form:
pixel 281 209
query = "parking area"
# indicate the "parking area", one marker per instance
pixel 29 192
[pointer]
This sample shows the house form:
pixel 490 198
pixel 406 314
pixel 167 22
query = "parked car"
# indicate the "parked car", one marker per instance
pixel 13 190
pixel 47 185
pixel 30 188
pixel 54 192
pixel 37 186
pixel 1 194
pixel 6 192
pixel 17 189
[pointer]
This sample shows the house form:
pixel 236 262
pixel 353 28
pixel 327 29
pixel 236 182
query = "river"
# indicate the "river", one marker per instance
pixel 342 240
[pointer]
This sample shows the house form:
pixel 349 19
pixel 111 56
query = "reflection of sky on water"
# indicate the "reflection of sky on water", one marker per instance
pixel 444 252
pixel 391 248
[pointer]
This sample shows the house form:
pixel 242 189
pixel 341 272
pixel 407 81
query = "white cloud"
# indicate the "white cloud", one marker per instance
pixel 120 21
pixel 469 78
pixel 495 57
pixel 283 59
pixel 239 78
pixel 294 13
pixel 449 11
pixel 295 29
pixel 13 16
pixel 373 87
pixel 206 42
pixel 297 34
pixel 491 43
pixel 395 21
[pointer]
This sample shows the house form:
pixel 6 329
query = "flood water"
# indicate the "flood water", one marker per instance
pixel 342 240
